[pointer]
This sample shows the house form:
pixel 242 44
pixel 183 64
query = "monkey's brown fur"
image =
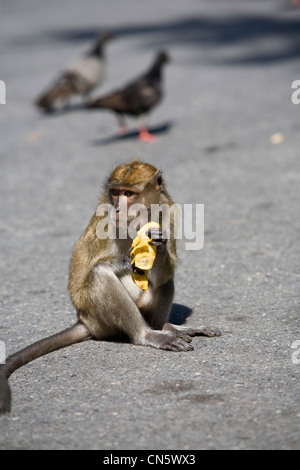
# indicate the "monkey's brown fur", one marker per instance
pixel 108 303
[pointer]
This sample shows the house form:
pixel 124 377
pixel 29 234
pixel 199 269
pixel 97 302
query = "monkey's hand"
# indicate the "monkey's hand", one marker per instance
pixel 131 266
pixel 158 236
pixel 143 253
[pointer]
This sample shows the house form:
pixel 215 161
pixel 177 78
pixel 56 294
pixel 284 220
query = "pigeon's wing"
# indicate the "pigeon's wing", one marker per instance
pixel 90 69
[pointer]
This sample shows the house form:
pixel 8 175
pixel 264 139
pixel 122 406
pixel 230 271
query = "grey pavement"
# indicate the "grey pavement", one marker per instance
pixel 228 91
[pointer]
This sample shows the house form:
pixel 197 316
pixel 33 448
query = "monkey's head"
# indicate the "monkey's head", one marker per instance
pixel 136 183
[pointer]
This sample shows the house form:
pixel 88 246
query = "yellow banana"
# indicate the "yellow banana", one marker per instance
pixel 143 255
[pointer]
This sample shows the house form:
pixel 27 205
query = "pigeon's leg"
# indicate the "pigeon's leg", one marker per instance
pixel 144 134
pixel 122 124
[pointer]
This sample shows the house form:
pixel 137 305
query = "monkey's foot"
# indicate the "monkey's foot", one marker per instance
pixel 158 236
pixel 180 331
pixel 167 341
pixel 145 136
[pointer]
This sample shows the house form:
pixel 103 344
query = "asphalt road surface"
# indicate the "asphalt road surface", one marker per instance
pixel 228 138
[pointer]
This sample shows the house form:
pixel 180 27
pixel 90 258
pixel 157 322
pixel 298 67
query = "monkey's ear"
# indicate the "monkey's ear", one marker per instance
pixel 159 182
pixel 156 181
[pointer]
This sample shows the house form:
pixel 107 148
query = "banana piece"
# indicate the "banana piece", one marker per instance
pixel 143 255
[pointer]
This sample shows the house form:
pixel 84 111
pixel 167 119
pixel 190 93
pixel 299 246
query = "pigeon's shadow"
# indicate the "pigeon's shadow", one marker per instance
pixel 156 130
pixel 71 108
pixel 179 314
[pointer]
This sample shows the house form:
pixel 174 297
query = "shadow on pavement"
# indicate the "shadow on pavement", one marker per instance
pixel 204 31
pixel 179 314
pixel 156 130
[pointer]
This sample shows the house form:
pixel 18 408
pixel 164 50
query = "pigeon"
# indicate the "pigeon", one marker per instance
pixel 79 78
pixel 137 98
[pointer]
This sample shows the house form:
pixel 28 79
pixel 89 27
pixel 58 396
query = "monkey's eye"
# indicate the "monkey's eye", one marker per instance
pixel 114 192
pixel 128 193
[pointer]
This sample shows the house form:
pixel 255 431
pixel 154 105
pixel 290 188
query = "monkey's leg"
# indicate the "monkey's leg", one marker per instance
pixel 157 315
pixel 159 311
pixel 164 296
pixel 182 331
pixel 112 310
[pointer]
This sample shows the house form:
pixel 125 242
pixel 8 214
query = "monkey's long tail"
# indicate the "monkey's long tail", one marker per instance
pixel 72 335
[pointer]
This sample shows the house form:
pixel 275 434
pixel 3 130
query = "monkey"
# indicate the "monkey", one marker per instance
pixel 108 303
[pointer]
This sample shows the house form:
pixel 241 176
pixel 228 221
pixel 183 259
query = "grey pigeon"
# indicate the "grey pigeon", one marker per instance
pixel 79 78
pixel 137 98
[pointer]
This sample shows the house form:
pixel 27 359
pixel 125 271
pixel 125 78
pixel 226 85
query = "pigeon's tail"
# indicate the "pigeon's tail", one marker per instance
pixel 47 100
pixel 107 102
pixel 63 89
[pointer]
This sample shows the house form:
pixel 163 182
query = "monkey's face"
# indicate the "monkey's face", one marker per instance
pixel 124 200
pixel 133 188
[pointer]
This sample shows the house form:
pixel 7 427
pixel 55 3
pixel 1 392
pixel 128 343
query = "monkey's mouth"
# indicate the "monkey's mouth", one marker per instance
pixel 122 218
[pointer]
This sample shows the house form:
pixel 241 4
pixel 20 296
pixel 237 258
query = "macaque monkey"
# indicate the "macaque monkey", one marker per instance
pixel 109 304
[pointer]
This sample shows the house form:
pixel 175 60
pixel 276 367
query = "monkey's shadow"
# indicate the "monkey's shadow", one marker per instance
pixel 133 134
pixel 179 314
